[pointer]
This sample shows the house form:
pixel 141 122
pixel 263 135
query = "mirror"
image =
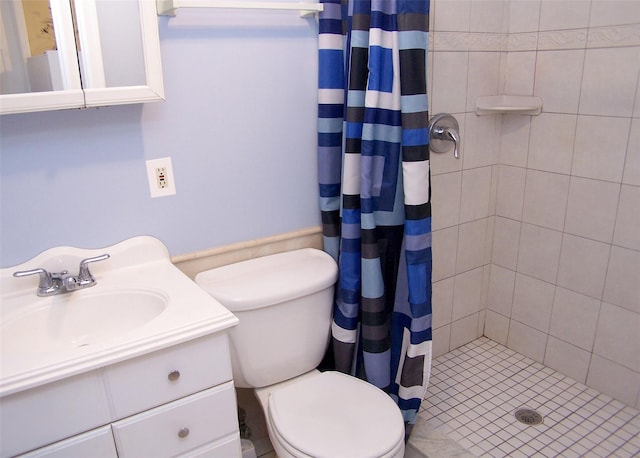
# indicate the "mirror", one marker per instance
pixel 37 53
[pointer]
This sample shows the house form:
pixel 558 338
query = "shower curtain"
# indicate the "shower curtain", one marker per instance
pixel 373 173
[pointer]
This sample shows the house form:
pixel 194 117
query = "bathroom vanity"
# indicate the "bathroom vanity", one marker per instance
pixel 135 366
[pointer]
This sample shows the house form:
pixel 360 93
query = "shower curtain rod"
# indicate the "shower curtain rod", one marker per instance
pixel 168 7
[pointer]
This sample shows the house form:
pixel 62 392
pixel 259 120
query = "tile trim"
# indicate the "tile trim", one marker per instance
pixel 192 263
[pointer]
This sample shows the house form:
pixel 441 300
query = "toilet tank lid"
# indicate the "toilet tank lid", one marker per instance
pixel 269 280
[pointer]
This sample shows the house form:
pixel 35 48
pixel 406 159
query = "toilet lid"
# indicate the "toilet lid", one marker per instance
pixel 336 415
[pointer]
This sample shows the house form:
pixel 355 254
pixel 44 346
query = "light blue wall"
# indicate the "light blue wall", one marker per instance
pixel 238 123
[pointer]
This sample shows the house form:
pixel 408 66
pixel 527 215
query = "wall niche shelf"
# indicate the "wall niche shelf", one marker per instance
pixel 508 104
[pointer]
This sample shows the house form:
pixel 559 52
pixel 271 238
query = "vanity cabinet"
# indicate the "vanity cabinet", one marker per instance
pixel 172 402
pixel 57 54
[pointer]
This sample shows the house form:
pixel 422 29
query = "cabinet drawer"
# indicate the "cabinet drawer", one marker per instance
pixel 96 444
pixel 228 447
pixel 178 427
pixel 163 376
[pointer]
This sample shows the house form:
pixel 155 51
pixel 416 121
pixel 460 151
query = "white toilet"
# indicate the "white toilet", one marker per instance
pixel 284 304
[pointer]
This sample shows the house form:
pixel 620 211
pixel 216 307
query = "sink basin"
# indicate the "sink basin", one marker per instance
pixel 79 319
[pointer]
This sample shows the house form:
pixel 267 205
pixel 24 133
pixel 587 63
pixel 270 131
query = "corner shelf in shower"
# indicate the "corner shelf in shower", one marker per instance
pixel 508 104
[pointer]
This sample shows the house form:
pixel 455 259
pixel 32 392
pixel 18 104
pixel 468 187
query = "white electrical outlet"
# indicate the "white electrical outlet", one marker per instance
pixel 160 175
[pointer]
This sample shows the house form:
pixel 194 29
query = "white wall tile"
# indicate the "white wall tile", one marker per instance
pixel 489 16
pixel 583 265
pixel 520 72
pixel 613 379
pixel 616 97
pixel 623 284
pixel 539 252
pixel 480 141
pixel 440 340
pixel 445 200
pixel 632 163
pixel 496 327
pixel 527 341
pixel 545 199
pixel 567 359
pixel 445 247
pixel 510 196
pixel 467 293
pixel 636 108
pixel 501 285
pixel 488 248
pixel 485 68
pixel 574 318
pixel 532 302
pixel 514 140
pixel 442 302
pixel 476 193
pixel 618 336
pixel 564 14
pixel 471 245
pixel 506 242
pixel 627 231
pixel 614 12
pixel 556 73
pixel 552 139
pixel 463 331
pixel 480 324
pixel 451 15
pixel 449 82
pixel 600 147
pixel 591 209
pixel 524 16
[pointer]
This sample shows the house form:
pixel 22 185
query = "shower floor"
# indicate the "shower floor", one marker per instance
pixel 475 390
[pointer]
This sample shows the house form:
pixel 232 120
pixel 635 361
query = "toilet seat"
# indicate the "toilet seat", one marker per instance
pixel 335 415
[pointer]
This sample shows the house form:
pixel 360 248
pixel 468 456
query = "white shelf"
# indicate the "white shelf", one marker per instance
pixel 506 104
pixel 168 7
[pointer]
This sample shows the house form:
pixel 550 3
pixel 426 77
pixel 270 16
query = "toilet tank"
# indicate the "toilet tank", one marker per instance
pixel 284 304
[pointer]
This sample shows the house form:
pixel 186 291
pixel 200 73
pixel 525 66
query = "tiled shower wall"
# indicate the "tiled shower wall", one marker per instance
pixel 537 228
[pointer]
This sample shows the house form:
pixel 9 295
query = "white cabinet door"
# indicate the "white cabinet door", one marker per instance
pixel 116 60
pixel 120 51
pixel 43 415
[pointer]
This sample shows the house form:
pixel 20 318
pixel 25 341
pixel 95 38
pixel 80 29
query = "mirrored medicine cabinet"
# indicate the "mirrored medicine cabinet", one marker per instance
pixel 57 54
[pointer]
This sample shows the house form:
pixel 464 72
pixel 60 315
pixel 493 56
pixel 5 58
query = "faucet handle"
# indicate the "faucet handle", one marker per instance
pixel 443 129
pixel 47 285
pixel 85 279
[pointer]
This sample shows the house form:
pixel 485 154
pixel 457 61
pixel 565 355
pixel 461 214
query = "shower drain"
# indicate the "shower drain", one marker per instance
pixel 528 416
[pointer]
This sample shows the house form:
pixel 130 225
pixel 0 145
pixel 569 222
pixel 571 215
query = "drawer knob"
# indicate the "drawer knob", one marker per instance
pixel 173 376
pixel 183 432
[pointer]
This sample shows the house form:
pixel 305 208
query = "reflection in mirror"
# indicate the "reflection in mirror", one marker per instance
pixel 29 60
pixel 121 43
pixel 112 31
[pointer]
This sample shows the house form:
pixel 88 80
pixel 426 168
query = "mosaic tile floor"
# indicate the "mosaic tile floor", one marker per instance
pixel 475 390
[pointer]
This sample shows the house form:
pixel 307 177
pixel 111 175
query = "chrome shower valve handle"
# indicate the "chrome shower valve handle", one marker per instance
pixel 443 129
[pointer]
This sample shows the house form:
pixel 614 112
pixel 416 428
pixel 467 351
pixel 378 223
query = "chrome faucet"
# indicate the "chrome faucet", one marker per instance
pixel 61 282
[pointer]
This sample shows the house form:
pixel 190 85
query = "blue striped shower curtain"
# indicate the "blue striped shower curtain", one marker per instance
pixel 373 171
